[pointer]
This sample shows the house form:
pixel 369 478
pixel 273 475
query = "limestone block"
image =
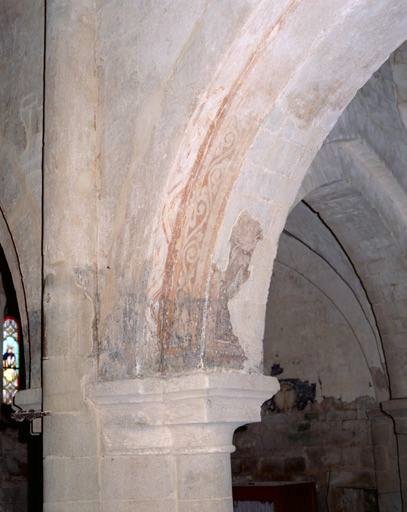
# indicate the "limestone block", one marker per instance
pixel 139 506
pixel 70 479
pixel 76 506
pixel 62 384
pixel 139 478
pixel 206 481
pixel 70 435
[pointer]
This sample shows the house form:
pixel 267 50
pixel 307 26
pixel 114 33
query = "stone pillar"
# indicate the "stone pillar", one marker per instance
pixel 166 443
pixel 69 249
pixel 397 409
pixel 386 461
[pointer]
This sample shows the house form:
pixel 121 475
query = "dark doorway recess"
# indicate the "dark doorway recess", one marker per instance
pixel 21 474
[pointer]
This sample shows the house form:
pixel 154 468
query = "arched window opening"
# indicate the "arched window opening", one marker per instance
pixel 11 358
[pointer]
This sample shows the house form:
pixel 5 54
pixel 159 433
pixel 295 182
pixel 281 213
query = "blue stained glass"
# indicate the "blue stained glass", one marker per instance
pixel 11 359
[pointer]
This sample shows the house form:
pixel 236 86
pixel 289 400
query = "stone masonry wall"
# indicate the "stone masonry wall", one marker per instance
pixel 328 442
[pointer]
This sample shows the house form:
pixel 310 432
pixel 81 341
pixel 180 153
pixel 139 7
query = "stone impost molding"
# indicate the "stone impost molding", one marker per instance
pixel 187 414
pixel 397 409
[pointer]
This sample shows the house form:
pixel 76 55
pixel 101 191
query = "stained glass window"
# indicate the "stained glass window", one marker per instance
pixel 11 359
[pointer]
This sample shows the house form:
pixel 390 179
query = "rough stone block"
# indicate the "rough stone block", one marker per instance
pixel 357 479
pixel 390 502
pixel 271 469
pixel 295 465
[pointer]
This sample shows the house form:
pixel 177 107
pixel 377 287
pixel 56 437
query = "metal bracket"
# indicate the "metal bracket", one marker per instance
pixel 27 406
pixel 34 417
pixel 30 415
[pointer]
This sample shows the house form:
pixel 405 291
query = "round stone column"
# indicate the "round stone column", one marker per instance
pixel 69 249
pixel 166 443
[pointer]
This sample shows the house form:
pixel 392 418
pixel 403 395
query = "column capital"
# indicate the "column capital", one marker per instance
pixel 397 409
pixel 183 414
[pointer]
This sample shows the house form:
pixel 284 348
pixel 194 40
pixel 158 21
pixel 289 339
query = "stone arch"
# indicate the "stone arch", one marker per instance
pixel 244 154
pixel 371 205
pixel 8 245
pixel 310 258
pixel 359 197
pixel 399 68
pixel 21 171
